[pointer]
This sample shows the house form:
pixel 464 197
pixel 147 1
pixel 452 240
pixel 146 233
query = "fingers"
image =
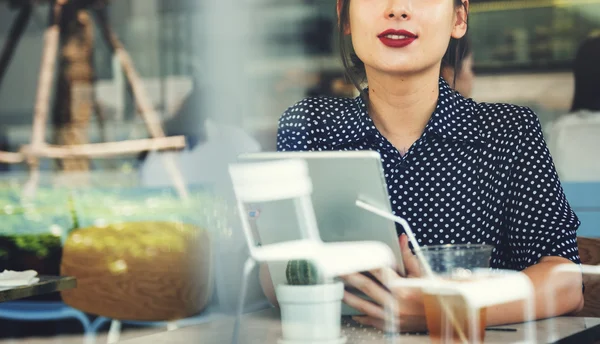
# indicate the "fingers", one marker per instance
pixel 370 288
pixel 403 240
pixel 364 306
pixel 411 263
pixel 385 275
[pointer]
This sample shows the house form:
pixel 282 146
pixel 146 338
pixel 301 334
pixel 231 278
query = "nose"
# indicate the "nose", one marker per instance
pixel 398 9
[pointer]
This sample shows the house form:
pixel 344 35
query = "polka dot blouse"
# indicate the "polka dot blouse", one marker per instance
pixel 479 173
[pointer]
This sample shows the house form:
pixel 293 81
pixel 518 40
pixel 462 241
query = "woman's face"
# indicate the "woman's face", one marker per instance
pixel 404 36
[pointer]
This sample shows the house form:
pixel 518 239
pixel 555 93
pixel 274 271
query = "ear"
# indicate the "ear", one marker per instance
pixel 340 4
pixel 460 24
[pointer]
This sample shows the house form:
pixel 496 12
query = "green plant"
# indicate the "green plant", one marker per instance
pixel 301 272
pixel 73 213
pixel 41 245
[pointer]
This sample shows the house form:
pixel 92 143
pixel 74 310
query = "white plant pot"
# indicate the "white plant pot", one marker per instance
pixel 311 313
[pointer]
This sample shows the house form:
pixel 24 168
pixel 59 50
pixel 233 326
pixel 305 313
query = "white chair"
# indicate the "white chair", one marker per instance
pixel 565 268
pixel 289 180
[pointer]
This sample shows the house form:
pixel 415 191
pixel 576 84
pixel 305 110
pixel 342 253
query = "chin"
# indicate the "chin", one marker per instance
pixel 402 69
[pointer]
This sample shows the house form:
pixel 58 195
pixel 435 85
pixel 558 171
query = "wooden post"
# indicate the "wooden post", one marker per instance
pixel 11 158
pixel 42 99
pixel 74 100
pixel 95 150
pixel 105 149
pixel 142 100
pixel 81 102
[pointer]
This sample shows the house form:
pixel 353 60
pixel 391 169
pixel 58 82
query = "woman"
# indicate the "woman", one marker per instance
pixel 457 171
pixel 573 139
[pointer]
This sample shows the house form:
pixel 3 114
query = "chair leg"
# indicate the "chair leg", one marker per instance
pixel 114 332
pixel 389 311
pixel 473 314
pixel 248 267
pixel 530 330
pixel 89 337
pixel 172 325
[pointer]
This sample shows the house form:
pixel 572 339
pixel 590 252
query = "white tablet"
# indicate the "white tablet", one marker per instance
pixel 339 179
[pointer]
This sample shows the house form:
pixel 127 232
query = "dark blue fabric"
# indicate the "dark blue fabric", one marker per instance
pixel 479 173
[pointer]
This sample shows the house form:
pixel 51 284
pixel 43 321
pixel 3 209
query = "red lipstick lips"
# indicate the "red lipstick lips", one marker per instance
pixel 397 38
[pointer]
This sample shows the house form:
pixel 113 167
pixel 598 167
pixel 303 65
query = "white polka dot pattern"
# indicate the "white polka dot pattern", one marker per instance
pixel 480 173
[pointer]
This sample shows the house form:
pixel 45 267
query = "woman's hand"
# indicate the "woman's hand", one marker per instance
pixel 411 263
pixel 408 309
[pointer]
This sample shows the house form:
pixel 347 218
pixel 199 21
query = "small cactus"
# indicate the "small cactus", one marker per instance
pixel 301 272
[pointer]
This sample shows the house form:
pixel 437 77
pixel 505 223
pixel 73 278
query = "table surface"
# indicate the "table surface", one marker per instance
pixel 263 327
pixel 46 285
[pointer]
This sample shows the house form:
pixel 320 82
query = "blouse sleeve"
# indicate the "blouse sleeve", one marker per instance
pixel 293 132
pixel 540 220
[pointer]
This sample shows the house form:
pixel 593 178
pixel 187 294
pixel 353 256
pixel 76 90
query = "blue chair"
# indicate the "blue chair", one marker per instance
pixel 584 198
pixel 46 311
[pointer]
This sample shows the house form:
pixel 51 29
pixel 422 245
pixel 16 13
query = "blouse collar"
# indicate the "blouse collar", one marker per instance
pixel 454 117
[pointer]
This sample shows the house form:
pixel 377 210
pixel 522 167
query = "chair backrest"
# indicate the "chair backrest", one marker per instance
pixel 270 181
pixel 589 250
pixel 584 198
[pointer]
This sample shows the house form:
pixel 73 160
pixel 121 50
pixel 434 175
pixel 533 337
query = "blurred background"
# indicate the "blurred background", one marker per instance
pixel 218 73
pixel 523 52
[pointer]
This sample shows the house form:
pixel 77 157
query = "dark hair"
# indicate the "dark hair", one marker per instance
pixel 457 50
pixel 586 68
pixel 461 49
